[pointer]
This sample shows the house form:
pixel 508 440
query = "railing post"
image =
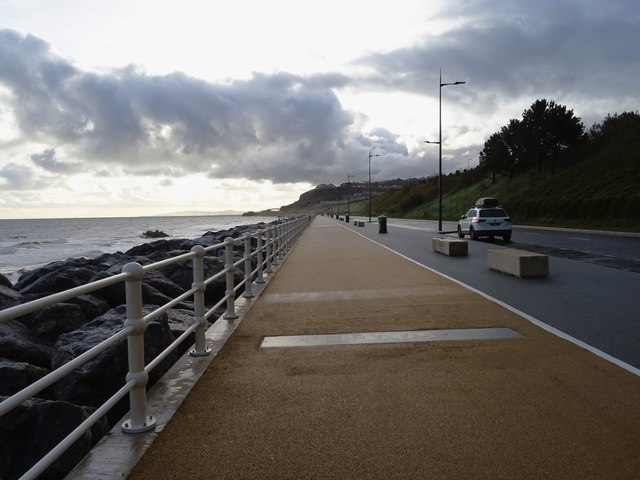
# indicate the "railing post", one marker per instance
pixel 259 247
pixel 139 421
pixel 281 241
pixel 200 347
pixel 247 267
pixel 276 244
pixel 269 240
pixel 230 293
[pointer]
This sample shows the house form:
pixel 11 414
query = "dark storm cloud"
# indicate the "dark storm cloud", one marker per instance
pixel 19 177
pixel 506 50
pixel 48 161
pixel 286 127
pixel 281 127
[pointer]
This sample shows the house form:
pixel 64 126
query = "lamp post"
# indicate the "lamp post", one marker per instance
pixel 349 177
pixel 370 155
pixel 439 142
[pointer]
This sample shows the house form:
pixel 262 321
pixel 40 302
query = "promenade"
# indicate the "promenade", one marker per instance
pixel 497 398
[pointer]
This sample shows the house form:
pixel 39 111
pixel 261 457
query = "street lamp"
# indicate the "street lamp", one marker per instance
pixel 376 155
pixel 439 142
pixel 349 177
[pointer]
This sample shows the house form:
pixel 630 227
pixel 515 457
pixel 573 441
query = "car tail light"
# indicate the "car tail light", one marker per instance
pixel 478 220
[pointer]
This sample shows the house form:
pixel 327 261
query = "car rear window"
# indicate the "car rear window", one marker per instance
pixel 493 212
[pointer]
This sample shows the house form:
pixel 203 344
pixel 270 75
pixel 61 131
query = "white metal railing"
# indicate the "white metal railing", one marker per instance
pixel 272 245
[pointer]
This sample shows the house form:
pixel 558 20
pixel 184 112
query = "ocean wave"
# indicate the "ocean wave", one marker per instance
pixel 40 243
pixel 27 245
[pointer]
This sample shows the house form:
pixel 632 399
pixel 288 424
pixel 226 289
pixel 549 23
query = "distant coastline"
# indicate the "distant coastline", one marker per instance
pixel 263 213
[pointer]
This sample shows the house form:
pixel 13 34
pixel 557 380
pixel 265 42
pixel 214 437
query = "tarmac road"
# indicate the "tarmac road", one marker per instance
pixel 583 296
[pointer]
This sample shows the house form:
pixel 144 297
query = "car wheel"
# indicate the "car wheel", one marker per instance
pixel 460 234
pixel 473 234
pixel 507 237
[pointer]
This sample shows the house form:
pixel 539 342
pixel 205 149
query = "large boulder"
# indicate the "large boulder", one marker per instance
pixel 9 297
pixel 92 306
pixel 182 275
pixel 75 268
pixel 160 246
pixel 163 284
pixel 18 375
pixel 57 281
pixel 50 322
pixel 5 282
pixel 17 343
pixel 34 428
pixel 179 321
pixel 111 259
pixel 115 295
pixel 94 382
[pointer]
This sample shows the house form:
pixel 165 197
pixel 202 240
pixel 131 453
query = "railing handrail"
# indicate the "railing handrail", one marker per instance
pixel 278 240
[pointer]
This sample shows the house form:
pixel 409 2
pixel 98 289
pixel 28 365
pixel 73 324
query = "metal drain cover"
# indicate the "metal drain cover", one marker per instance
pixel 389 337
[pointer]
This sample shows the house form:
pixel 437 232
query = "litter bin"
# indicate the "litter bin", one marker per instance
pixel 346 218
pixel 382 224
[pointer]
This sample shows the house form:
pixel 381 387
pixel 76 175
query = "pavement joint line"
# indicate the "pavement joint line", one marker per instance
pixel 404 336
pixel 346 295
pixel 539 323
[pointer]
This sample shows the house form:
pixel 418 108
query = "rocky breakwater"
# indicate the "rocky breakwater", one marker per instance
pixel 33 345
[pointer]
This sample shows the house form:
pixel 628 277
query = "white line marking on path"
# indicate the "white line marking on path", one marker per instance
pixel 526 316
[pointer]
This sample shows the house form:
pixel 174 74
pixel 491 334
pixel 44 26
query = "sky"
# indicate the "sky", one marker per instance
pixel 147 107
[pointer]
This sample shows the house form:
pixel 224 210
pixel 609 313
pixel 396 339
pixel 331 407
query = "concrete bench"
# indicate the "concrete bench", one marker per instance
pixel 453 247
pixel 518 263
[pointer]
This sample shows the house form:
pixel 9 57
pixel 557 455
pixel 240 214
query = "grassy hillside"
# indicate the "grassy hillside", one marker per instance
pixel 597 186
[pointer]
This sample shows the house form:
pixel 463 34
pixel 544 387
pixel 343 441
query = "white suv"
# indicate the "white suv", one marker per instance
pixel 485 222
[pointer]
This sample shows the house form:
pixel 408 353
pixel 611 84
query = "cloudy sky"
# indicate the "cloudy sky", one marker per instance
pixel 141 107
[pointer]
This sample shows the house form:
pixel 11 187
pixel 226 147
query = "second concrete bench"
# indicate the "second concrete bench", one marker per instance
pixel 450 246
pixel 518 263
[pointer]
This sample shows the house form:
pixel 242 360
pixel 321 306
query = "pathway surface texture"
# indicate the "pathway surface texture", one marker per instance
pixel 535 406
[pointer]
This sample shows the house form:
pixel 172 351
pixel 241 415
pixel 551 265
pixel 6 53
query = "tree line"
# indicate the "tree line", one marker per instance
pixel 544 136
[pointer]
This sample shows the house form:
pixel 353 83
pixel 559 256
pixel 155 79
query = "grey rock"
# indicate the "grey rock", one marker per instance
pixel 94 382
pixel 179 321
pixel 9 297
pixel 115 295
pixel 92 306
pixel 111 259
pixel 160 246
pixel 18 375
pixel 82 268
pixel 163 284
pixel 34 428
pixel 17 343
pixel 50 322
pixel 5 282
pixel 53 282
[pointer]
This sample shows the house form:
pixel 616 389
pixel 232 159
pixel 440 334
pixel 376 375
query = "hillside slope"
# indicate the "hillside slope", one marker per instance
pixel 595 186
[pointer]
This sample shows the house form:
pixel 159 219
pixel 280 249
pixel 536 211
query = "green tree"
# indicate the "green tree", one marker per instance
pixel 623 127
pixel 494 155
pixel 550 130
pixel 515 138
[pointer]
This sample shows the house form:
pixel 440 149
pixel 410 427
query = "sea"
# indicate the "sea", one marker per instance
pixel 28 244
